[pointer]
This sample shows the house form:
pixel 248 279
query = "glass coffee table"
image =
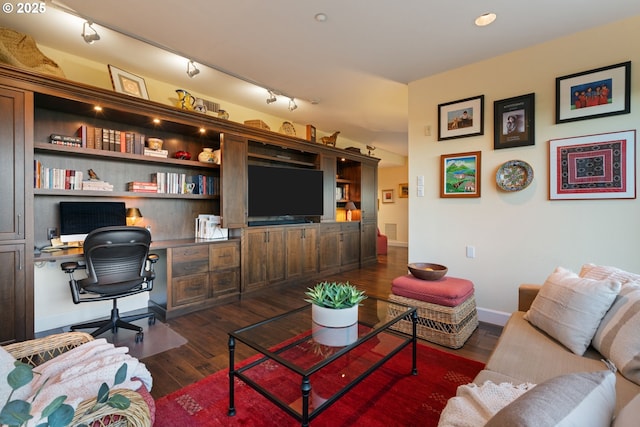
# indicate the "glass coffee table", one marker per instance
pixel 304 368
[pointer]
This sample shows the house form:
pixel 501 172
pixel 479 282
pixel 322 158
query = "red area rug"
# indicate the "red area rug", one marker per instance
pixel 390 396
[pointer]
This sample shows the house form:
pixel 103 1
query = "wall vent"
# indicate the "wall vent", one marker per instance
pixel 391 231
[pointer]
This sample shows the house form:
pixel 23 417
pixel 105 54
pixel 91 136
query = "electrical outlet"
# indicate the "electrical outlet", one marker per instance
pixel 51 233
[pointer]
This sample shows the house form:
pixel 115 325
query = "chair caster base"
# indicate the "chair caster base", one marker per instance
pixel 139 337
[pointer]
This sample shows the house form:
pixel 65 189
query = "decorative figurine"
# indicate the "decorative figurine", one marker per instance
pixel 331 139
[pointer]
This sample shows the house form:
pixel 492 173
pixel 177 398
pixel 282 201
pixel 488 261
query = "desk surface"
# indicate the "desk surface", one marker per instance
pixel 76 253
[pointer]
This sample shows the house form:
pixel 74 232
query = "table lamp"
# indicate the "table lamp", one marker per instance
pixel 133 216
pixel 350 206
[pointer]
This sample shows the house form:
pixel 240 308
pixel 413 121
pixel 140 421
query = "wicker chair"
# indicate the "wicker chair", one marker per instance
pixel 39 350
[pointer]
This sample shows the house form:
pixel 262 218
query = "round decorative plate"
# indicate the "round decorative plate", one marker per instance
pixel 288 129
pixel 514 175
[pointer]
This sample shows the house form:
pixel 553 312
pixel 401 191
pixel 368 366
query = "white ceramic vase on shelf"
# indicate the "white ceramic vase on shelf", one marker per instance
pixel 335 337
pixel 206 156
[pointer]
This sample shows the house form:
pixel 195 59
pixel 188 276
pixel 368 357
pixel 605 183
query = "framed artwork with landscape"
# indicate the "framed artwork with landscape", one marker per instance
pixel 596 93
pixel 514 122
pixel 598 166
pixel 460 174
pixel 127 83
pixel 459 119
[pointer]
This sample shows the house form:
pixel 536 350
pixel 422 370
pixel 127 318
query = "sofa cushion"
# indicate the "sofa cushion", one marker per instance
pixel 582 399
pixel 617 337
pixel 570 308
pixel 448 291
pixel 628 416
pixel 601 272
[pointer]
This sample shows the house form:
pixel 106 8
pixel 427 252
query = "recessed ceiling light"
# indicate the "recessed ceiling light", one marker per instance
pixel 320 17
pixel 485 19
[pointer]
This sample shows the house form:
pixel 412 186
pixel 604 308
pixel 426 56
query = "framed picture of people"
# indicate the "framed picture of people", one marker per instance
pixel 595 93
pixel 459 119
pixel 514 122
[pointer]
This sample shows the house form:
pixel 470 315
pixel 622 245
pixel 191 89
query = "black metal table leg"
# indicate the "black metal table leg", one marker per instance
pixel 414 320
pixel 232 347
pixel 306 391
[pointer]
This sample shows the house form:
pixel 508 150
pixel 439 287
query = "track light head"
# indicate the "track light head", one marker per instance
pixel 91 36
pixel 292 104
pixel 272 97
pixel 192 70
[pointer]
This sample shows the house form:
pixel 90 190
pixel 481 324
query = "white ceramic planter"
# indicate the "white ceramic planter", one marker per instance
pixel 334 318
pixel 335 337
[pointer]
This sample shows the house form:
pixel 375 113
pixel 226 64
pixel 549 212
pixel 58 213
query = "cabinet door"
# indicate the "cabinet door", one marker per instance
pixel 368 192
pixel 310 250
pixel 276 255
pixel 330 236
pixel 328 165
pixel 13 296
pixel 294 252
pixel 254 265
pixel 12 164
pixel 189 289
pixel 368 242
pixel 350 245
pixel 233 170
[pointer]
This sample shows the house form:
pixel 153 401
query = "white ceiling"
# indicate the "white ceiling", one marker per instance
pixel 356 64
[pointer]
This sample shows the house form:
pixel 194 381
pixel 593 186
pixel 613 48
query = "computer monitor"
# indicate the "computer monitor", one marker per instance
pixel 77 219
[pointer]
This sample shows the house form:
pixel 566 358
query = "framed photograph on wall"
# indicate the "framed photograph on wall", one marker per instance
pixel 599 166
pixel 311 133
pixel 403 191
pixel 514 122
pixel 460 174
pixel 387 196
pixel 596 93
pixel 127 83
pixel 459 119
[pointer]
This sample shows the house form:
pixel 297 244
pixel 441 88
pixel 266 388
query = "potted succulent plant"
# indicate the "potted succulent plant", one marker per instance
pixel 334 304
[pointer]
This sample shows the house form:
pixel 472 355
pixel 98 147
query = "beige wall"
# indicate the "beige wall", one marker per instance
pixel 394 215
pixel 520 237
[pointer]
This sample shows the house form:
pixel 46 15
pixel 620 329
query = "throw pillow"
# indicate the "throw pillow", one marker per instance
pixel 601 272
pixel 6 365
pixel 617 337
pixel 474 405
pixel 582 399
pixel 569 308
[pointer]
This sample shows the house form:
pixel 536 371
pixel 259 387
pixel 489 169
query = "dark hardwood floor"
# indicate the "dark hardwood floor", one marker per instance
pixel 206 331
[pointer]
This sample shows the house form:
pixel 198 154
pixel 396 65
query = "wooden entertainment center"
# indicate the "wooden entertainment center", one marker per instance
pixel 194 274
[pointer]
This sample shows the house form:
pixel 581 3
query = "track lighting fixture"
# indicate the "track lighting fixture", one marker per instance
pixel 92 36
pixel 272 97
pixel 292 104
pixel 192 70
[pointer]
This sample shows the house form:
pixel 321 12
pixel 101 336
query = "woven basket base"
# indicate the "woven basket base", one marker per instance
pixel 447 326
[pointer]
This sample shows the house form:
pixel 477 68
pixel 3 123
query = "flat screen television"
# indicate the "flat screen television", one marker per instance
pixel 279 191
pixel 77 219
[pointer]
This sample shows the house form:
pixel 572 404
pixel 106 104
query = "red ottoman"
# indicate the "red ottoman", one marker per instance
pixel 446 308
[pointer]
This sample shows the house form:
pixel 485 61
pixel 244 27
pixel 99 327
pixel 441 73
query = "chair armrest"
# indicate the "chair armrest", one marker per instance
pixel 39 350
pixel 526 294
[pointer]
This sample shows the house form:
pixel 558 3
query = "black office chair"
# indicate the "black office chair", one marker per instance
pixel 118 265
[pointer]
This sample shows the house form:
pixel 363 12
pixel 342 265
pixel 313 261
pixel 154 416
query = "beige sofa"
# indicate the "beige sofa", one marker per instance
pixel 526 354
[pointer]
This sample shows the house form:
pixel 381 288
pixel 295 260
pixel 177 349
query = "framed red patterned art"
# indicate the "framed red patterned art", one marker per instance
pixel 601 166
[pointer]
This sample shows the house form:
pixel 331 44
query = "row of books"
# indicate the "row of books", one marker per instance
pixel 180 183
pixel 108 140
pixel 65 179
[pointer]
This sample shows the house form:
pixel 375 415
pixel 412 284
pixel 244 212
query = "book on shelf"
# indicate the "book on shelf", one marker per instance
pixel 69 141
pixel 156 153
pixel 142 187
pixel 56 178
pixel 96 185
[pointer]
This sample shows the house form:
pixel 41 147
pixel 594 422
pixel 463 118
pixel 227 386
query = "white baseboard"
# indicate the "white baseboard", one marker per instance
pixel 492 316
pixel 398 243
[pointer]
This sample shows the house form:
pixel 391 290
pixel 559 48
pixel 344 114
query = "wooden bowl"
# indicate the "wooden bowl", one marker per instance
pixel 427 271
